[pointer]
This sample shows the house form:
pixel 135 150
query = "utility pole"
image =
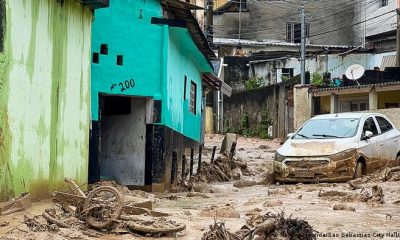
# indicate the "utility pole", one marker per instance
pixel 240 20
pixel 398 35
pixel 303 44
pixel 209 21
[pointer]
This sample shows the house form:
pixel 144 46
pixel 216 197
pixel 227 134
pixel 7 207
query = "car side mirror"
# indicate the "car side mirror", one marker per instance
pixel 367 135
pixel 290 135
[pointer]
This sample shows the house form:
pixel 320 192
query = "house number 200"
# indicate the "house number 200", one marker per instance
pixel 127 84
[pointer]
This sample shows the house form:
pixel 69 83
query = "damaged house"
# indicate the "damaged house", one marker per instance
pixel 44 94
pixel 150 70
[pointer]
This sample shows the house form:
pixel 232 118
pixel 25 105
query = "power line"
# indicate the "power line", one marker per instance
pixel 319 32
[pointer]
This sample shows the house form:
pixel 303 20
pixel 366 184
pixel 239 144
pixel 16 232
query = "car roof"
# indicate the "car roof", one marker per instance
pixel 344 115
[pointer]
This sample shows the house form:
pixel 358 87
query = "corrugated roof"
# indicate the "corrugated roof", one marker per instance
pixel 235 42
pixel 316 90
pixel 182 11
pixel 388 61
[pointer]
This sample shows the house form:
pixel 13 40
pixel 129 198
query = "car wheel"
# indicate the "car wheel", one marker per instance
pixel 358 172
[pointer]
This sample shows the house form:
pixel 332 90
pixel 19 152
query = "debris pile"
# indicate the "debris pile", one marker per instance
pixel 391 174
pixel 103 209
pixel 277 226
pixel 218 231
pixel 264 226
pixel 223 169
pixel 16 204
pixel 374 197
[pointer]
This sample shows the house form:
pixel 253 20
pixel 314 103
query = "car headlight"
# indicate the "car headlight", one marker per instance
pixel 279 157
pixel 343 155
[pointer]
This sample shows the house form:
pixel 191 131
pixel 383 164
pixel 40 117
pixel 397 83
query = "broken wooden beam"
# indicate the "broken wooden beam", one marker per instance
pixel 191 161
pixel 199 162
pixel 213 154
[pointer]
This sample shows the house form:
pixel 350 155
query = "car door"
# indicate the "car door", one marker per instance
pixel 369 147
pixel 389 140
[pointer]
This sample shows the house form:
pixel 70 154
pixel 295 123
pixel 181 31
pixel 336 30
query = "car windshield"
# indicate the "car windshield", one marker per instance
pixel 328 128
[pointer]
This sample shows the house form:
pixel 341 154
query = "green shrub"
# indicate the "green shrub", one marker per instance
pixel 317 79
pixel 253 83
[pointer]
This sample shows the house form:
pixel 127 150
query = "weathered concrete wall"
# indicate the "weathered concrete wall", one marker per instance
pixel 123 145
pixel 236 73
pixel 252 103
pixel 44 96
pixel 267 20
pixel 380 22
pixel 302 105
pixel 227 25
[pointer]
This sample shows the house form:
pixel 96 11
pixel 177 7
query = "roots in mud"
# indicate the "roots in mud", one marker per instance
pixel 218 231
pixel 276 226
pixel 267 226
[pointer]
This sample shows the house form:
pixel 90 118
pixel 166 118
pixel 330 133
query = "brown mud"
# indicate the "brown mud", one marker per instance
pixel 368 206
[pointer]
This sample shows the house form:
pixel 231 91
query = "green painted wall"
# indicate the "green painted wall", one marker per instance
pixel 44 96
pixel 156 57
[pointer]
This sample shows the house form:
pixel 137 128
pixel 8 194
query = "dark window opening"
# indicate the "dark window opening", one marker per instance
pixel 114 105
pixel 293 32
pixel 96 58
pixel 391 105
pixel 369 125
pixel 193 97
pixel 384 3
pixel 104 49
pixel 120 60
pixel 184 87
pixel 287 73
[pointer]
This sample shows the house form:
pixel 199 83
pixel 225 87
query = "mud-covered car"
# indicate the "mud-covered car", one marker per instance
pixel 338 147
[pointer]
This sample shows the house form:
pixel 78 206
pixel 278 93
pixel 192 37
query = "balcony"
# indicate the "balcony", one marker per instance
pixel 94 4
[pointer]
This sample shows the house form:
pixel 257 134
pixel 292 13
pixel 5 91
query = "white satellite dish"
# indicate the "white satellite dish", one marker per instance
pixel 355 72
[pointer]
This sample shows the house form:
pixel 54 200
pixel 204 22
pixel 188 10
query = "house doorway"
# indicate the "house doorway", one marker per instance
pixel 122 143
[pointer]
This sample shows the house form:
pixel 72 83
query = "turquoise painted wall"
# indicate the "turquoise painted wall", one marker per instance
pixel 156 57
pixel 125 27
pixel 182 60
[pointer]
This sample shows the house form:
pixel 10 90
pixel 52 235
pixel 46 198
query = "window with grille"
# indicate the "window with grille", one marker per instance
pixel 193 97
pixel 384 3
